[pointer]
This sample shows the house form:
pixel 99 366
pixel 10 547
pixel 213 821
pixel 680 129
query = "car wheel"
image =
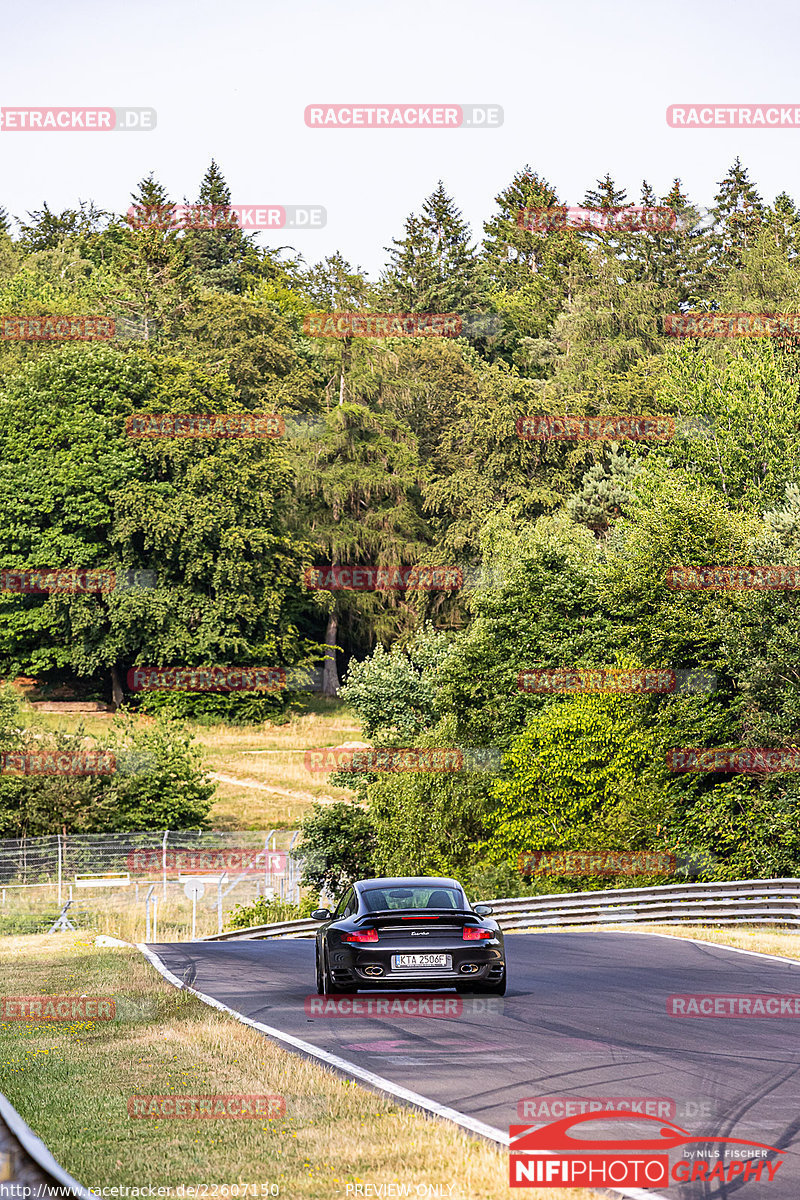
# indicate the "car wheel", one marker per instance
pixel 320 977
pixel 329 988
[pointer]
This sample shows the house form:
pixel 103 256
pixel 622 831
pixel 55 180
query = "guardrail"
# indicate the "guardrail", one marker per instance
pixel 27 1168
pixel 740 902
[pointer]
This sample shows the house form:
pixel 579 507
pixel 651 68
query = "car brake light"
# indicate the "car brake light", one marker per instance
pixel 364 935
pixel 472 933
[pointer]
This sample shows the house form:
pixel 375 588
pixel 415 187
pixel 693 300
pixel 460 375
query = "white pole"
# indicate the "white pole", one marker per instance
pixel 222 877
pixel 194 913
pixel 59 868
pixel 155 907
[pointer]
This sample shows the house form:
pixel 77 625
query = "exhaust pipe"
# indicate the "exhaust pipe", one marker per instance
pixel 373 970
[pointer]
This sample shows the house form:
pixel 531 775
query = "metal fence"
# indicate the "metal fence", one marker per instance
pixel 735 902
pixel 67 866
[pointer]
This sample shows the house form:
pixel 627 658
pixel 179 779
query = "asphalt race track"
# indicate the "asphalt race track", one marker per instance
pixel 585 1015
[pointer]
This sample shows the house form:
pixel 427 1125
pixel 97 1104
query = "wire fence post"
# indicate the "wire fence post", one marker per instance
pixel 60 864
pixel 220 882
pixel 164 861
pixel 147 911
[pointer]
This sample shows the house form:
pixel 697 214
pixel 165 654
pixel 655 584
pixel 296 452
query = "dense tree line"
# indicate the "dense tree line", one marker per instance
pixel 402 451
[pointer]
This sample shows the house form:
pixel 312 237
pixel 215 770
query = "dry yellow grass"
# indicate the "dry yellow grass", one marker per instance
pixel 259 771
pixel 119 914
pixel 272 788
pixel 71 1083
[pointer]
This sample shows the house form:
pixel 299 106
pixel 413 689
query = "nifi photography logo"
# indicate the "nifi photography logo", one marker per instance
pixel 563 1154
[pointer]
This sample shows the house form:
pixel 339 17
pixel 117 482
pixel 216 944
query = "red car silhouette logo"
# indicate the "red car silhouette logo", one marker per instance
pixel 555 1137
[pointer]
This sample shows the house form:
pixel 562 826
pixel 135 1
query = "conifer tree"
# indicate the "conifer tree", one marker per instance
pixel 221 253
pixel 605 493
pixel 784 222
pixel 151 205
pixel 738 211
pixel 150 261
pixel 357 481
pixel 47 230
pixel 670 256
pixel 609 233
pixel 606 195
pixel 512 249
pixel 433 267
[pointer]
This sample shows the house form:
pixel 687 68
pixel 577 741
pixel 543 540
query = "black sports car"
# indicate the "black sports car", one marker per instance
pixel 409 931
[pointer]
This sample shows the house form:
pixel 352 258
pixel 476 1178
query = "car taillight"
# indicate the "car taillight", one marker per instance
pixel 364 935
pixel 473 934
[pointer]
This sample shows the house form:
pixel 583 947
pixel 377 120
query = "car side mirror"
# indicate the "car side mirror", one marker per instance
pixel 483 910
pixel 320 914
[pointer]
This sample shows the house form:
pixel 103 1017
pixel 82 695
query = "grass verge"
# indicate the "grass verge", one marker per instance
pixel 71 1083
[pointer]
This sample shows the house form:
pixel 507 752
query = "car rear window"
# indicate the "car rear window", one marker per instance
pixel 376 899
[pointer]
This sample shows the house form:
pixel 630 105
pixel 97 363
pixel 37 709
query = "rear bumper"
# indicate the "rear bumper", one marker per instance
pixel 370 969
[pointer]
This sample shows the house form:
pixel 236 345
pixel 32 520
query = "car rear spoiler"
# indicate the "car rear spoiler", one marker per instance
pixel 383 915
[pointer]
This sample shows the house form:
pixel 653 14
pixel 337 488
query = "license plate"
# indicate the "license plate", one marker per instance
pixel 401 961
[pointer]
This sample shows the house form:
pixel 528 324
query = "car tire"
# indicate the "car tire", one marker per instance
pixel 320 979
pixel 329 988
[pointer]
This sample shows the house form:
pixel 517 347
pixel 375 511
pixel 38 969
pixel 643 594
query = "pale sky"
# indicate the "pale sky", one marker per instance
pixel 584 87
